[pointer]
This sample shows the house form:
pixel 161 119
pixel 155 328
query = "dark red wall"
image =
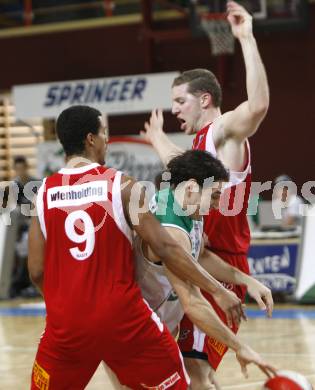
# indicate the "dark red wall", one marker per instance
pixel 285 141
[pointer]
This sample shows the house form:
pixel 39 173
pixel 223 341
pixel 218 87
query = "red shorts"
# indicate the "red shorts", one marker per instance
pixel 193 342
pixel 156 365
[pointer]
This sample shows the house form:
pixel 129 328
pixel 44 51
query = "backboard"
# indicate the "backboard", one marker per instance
pixel 269 15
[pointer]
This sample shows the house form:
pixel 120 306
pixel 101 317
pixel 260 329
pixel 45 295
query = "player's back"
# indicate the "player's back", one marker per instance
pixel 89 270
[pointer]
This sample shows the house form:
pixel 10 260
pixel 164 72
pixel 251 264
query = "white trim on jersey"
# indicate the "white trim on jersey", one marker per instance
pixel 187 378
pixel 210 147
pixel 176 227
pixel 118 210
pixel 155 318
pixel 40 208
pixel 78 170
pixel 235 176
pixel 199 339
pixel 239 177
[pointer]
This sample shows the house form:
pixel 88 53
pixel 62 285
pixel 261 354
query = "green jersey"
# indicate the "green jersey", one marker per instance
pixel 164 206
pixel 155 287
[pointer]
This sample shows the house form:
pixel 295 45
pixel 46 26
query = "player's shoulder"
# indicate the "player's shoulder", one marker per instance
pixel 52 179
pixel 218 126
pixel 165 208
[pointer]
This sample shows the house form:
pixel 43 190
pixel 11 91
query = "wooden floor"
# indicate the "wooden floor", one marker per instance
pixel 289 343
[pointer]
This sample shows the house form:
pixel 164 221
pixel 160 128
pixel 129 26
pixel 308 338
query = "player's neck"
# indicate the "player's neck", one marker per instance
pixel 189 209
pixel 208 116
pixel 77 161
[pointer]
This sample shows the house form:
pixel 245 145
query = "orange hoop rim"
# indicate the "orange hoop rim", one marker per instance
pixel 213 15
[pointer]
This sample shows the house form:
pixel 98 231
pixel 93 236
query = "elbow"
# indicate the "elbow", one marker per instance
pixel 167 251
pixel 258 113
pixel 36 278
pixel 260 109
pixel 36 275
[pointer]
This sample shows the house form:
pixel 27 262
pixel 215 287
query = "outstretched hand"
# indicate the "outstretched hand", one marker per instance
pixel 231 305
pixel 261 294
pixel 154 126
pixel 240 20
pixel 245 355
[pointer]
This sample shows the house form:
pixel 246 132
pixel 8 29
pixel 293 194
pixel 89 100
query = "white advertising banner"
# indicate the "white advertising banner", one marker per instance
pixel 305 291
pixel 114 95
pixel 129 154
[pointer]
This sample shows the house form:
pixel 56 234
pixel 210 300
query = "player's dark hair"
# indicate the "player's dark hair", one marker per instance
pixel 198 165
pixel 20 160
pixel 201 81
pixel 74 124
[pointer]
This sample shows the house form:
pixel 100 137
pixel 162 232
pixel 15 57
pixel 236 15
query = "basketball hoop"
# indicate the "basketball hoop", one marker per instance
pixel 218 30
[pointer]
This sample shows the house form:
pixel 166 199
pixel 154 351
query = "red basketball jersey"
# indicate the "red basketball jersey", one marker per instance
pixel 227 229
pixel 89 285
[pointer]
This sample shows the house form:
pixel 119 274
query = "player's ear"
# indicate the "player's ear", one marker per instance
pixel 192 186
pixel 90 139
pixel 206 100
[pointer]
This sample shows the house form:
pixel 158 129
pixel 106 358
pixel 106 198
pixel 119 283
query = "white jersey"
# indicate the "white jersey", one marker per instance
pixel 154 285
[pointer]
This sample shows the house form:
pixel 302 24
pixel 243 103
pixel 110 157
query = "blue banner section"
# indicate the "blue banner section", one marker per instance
pixel 251 313
pixel 274 265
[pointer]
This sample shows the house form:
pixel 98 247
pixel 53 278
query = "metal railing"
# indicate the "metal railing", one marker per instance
pixel 29 12
pixel 16 13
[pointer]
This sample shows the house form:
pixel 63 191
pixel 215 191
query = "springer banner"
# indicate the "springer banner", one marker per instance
pixel 113 95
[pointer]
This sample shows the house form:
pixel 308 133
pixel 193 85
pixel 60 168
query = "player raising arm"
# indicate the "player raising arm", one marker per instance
pixel 197 97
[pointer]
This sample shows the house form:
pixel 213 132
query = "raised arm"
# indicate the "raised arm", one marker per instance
pixel 154 134
pixel 224 272
pixel 245 119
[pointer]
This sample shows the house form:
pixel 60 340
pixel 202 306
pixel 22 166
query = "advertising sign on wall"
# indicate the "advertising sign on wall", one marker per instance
pixel 114 95
pixel 305 291
pixel 274 265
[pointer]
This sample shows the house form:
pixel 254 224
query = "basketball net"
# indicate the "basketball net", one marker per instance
pixel 219 33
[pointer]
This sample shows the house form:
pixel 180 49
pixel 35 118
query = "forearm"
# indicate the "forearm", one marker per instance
pixel 165 148
pixel 256 78
pixel 219 269
pixel 183 265
pixel 205 318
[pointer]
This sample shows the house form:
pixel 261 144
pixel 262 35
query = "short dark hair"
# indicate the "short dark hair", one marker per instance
pixel 74 124
pixel 20 160
pixel 200 81
pixel 198 165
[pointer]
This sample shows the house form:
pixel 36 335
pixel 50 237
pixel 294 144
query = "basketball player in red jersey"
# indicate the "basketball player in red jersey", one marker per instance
pixel 197 96
pixel 80 258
